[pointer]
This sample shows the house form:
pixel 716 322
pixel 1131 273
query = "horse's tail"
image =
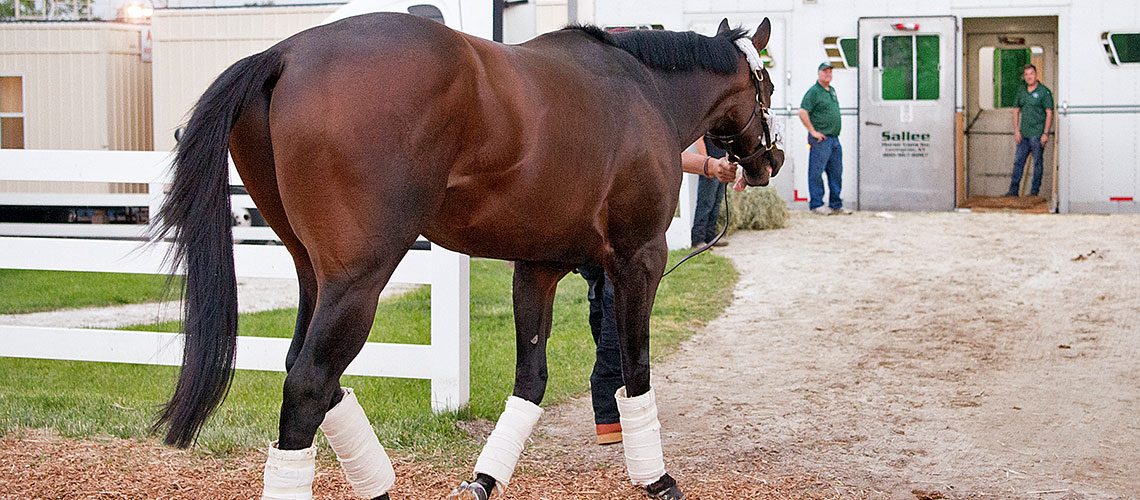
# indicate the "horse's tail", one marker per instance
pixel 197 215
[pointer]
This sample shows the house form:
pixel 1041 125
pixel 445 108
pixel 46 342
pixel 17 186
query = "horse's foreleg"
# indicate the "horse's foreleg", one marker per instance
pixel 636 278
pixel 534 289
pixel 312 397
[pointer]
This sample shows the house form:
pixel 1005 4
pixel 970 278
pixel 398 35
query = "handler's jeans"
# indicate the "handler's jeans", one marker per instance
pixel 709 194
pixel 606 378
pixel 1027 145
pixel 825 156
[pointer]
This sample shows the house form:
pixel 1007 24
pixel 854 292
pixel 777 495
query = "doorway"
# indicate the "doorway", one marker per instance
pixel 995 51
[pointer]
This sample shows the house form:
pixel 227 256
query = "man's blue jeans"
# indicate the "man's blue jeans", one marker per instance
pixel 709 194
pixel 825 156
pixel 1027 145
pixel 606 378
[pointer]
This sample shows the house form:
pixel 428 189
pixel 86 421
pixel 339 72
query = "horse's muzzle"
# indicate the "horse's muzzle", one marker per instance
pixel 768 166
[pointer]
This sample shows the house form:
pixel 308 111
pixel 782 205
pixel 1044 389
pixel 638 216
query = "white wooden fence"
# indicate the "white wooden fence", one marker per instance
pixel 446 361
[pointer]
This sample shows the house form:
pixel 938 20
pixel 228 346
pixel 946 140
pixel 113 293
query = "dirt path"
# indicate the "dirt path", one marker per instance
pixel 963 354
pixel 909 356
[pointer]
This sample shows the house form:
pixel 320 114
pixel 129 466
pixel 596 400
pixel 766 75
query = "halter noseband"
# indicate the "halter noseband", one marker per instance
pixel 766 144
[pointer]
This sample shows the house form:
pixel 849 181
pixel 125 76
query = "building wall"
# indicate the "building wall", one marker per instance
pixel 67 74
pixel 129 113
pixel 63 79
pixel 193 46
pixel 550 15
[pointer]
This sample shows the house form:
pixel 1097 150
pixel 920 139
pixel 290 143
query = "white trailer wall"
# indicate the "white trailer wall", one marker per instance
pixel 1099 130
pixel 1098 115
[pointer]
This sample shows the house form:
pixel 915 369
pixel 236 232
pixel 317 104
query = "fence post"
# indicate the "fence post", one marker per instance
pixel 450 330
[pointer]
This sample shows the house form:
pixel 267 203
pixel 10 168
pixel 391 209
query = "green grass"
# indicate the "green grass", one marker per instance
pixel 86 399
pixel 31 291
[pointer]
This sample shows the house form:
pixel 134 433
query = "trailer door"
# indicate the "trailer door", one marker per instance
pixel 907 93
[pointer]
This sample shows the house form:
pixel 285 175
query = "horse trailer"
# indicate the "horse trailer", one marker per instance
pixel 926 90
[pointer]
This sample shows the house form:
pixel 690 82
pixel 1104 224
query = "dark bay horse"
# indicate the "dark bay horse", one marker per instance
pixel 355 137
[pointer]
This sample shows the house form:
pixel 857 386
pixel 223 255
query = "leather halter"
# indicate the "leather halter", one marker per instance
pixel 766 144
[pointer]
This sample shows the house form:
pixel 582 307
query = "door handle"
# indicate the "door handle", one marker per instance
pixel 873 124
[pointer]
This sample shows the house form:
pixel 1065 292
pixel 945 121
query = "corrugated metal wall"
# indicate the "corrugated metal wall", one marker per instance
pixel 63 78
pixel 193 46
pixel 129 115
pixel 85 86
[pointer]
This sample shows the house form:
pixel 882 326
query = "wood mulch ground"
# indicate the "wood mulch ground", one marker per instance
pixel 37 464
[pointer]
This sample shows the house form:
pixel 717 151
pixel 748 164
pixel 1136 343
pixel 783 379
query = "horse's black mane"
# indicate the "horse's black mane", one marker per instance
pixel 673 50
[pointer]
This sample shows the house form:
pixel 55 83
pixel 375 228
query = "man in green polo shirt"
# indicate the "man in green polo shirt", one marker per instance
pixel 1031 121
pixel 819 112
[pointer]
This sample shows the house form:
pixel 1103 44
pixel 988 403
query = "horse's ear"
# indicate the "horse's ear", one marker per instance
pixel 760 39
pixel 723 26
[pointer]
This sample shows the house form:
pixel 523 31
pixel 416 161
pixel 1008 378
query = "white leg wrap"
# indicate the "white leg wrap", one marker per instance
pixel 289 474
pixel 365 463
pixel 501 453
pixel 641 437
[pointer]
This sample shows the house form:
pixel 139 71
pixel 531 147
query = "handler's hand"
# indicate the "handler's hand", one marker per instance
pixel 1044 139
pixel 722 169
pixel 818 136
pixel 1017 137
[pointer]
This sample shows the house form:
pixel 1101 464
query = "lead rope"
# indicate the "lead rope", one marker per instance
pixel 694 253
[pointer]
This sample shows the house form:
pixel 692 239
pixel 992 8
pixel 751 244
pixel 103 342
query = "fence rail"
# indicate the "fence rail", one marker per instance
pixel 445 361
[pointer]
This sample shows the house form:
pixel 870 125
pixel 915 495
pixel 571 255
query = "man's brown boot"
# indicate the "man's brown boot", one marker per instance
pixel 608 433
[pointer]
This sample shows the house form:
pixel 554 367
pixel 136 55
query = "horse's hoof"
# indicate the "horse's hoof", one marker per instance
pixel 665 489
pixel 671 493
pixel 468 491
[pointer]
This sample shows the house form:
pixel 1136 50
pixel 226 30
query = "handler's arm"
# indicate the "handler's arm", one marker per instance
pixel 1017 125
pixel 1048 125
pixel 718 168
pixel 807 123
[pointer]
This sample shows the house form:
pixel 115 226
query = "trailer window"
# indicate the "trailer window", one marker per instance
pixel 1122 48
pixel 11 112
pixel 429 11
pixel 909 67
pixel 1009 65
pixel 1000 73
pixel 841 52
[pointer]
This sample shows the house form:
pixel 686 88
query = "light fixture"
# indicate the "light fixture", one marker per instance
pixel 136 12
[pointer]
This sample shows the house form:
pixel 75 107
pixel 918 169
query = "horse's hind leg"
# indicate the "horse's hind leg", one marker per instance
pixel 306 306
pixel 534 290
pixel 252 151
pixel 345 308
pixel 636 276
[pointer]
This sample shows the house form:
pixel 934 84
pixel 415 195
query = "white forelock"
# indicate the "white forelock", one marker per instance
pixel 745 46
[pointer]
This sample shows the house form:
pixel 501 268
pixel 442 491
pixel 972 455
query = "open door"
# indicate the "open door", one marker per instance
pixel 907 88
pixel 996 51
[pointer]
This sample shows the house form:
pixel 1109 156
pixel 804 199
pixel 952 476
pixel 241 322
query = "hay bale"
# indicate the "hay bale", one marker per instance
pixel 756 208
